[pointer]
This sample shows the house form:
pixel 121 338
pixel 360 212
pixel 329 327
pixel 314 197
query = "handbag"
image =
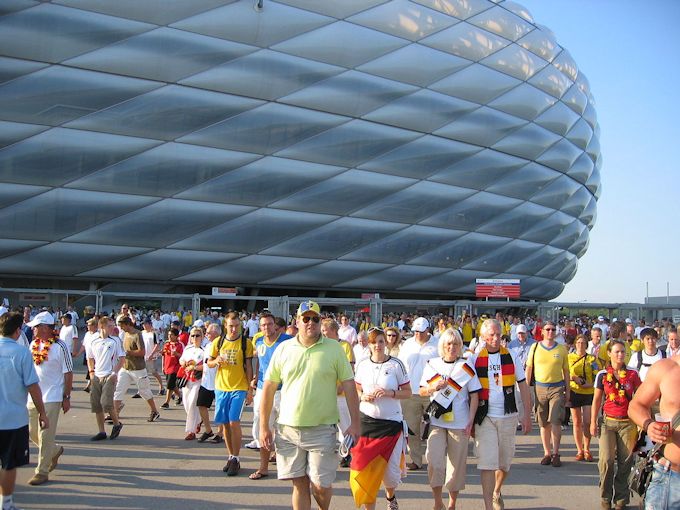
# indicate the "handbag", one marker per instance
pixel 182 378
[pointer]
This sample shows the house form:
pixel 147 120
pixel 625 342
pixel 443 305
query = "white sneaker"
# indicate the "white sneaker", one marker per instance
pixel 253 445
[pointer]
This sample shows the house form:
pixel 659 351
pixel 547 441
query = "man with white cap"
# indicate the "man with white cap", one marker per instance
pixel 414 353
pixel 68 333
pixel 54 366
pixel 603 327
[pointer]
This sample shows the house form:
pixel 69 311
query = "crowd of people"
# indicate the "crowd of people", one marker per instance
pixel 327 389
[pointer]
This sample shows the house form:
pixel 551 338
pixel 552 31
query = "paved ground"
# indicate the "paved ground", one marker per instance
pixel 151 466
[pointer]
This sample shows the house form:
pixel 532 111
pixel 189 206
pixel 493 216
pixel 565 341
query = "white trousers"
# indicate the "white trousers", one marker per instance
pixel 189 398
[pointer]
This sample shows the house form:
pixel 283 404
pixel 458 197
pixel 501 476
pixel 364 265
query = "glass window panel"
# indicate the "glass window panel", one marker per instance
pixel 559 119
pixel 161 224
pixel 65 259
pixel 484 126
pixel 337 10
pixel 164 170
pixel 473 211
pixel 252 269
pixel 393 278
pixel 166 113
pixel 414 203
pixel 343 44
pixel 160 265
pixel 255 231
pixel 527 142
pixel 60 155
pixel 351 144
pixel 560 156
pixel 466 41
pixel 580 247
pixel 11 68
pixel 502 22
pixel 531 264
pixel 348 196
pixel 12 132
pixel 461 9
pixel 523 101
pixel 525 182
pixel 164 54
pixel 404 245
pixel 239 22
pixel 577 203
pixel 10 6
pixel 593 148
pixel 158 12
pixel 594 184
pixel 69 32
pixel 403 19
pixel 552 81
pixel 415 64
pixel 11 246
pixel 556 194
pixel 480 170
pixel 265 129
pixel 575 99
pixel 334 272
pixel 423 111
pixel 465 84
pixel 58 94
pixel 589 214
pixel 12 193
pixel 517 221
pixel 569 235
pixel 549 229
pixel 519 10
pixel 421 158
pixel 542 43
pixel 565 63
pixel 262 182
pixel 351 93
pixel 335 239
pixel 462 251
pixel 505 257
pixel 446 282
pixel 243 76
pixel 590 115
pixel 531 287
pixel 515 61
pixel 62 212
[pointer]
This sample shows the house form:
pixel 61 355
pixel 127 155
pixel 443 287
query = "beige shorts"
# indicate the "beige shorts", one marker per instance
pixel 446 455
pixel 307 451
pixel 101 393
pixel 495 441
pixel 550 405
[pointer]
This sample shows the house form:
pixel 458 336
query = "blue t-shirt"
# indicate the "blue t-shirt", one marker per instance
pixel 264 355
pixel 17 373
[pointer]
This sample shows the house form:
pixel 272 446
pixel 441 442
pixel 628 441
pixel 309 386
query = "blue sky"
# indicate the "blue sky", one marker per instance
pixel 630 53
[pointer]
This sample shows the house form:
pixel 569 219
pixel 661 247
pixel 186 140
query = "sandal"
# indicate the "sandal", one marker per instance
pixel 546 461
pixel 257 475
pixel 580 456
pixel 587 456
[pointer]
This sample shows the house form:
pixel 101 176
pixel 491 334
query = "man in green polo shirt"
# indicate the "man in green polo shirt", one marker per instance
pixel 309 367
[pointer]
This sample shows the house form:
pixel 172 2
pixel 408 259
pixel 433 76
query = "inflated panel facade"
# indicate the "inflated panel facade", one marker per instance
pixel 401 145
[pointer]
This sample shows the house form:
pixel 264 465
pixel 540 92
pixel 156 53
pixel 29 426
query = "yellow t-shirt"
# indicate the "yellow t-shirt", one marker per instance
pixel 635 346
pixel 231 375
pixel 467 332
pixel 188 320
pixel 549 364
pixel 583 366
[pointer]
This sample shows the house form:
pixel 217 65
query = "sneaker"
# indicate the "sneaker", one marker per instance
pixel 108 419
pixel 38 479
pixel 227 466
pixel 115 431
pixel 161 392
pixel 179 402
pixel 205 436
pixel 99 436
pixel 253 445
pixel 136 395
pixel 497 502
pixel 393 505
pixel 412 466
pixel 165 405
pixel 154 416
pixel 217 439
pixel 234 468
pixel 55 459
pixel 345 461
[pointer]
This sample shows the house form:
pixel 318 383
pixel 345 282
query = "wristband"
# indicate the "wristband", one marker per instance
pixel 647 423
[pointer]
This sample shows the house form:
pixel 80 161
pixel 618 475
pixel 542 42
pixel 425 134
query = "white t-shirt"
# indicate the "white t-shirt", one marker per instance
pixel 414 356
pixel 87 339
pixel 67 334
pixel 158 325
pixel 208 379
pixel 51 371
pixel 460 408
pixel 360 353
pixel 150 339
pixel 647 361
pixel 389 375
pixel 253 326
pixel 348 334
pixel 105 352
pixel 192 353
pixel 496 397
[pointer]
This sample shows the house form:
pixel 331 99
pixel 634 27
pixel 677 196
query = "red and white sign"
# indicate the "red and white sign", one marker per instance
pixel 501 288
pixel 370 296
pixel 224 291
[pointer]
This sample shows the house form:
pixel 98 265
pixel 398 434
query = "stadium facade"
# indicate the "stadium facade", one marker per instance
pixel 404 147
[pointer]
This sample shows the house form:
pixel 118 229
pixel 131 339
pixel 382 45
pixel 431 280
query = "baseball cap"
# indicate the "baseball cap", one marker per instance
pixel 42 318
pixel 199 323
pixel 600 318
pixel 629 321
pixel 420 325
pixel 521 328
pixel 308 306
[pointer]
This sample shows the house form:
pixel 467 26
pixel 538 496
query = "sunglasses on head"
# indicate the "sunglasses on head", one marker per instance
pixel 316 319
pixel 375 329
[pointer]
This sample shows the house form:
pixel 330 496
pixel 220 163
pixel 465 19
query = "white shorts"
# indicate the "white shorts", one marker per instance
pixel 127 377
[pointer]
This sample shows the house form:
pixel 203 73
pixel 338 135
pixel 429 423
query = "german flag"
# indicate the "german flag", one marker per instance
pixel 370 457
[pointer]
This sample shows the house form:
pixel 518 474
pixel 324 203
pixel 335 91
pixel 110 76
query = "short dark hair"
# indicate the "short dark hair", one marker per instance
pixel 10 322
pixel 267 315
pixel 649 332
pixel 280 322
pixel 125 320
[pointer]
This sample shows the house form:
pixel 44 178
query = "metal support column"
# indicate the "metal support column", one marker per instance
pixel 195 306
pixel 375 306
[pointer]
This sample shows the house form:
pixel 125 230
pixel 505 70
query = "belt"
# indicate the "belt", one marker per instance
pixel 616 419
pixel 668 465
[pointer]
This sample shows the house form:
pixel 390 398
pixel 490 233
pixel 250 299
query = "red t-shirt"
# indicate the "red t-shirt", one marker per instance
pixel 171 355
pixel 617 390
pixel 184 338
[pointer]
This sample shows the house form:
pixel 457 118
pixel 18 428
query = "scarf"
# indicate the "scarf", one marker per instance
pixel 507 381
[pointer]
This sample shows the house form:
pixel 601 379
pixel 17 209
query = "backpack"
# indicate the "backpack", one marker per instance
pixel 639 363
pixel 220 341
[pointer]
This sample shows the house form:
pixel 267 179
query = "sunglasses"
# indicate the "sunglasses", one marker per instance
pixel 315 319
pixel 196 336
pixel 391 334
pixel 549 329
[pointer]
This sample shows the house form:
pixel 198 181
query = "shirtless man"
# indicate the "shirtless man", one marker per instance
pixel 662 380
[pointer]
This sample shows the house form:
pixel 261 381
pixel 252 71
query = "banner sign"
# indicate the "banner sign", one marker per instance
pixel 224 291
pixel 500 288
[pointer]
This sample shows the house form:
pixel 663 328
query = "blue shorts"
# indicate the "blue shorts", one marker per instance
pixel 663 492
pixel 229 406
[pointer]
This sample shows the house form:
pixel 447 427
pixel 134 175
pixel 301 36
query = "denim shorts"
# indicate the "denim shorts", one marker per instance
pixel 663 492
